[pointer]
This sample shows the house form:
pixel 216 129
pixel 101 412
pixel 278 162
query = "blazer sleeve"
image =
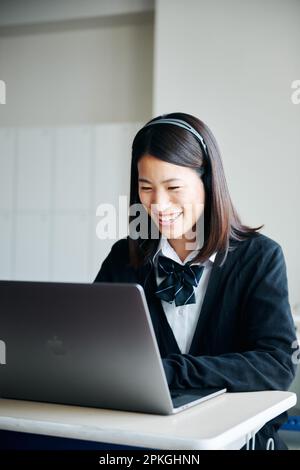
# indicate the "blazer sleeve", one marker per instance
pixel 115 267
pixel 269 336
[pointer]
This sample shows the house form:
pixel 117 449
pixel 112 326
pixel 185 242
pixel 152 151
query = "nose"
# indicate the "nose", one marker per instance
pixel 160 201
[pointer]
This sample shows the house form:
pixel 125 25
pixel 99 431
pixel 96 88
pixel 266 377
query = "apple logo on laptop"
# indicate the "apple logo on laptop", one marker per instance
pixel 56 346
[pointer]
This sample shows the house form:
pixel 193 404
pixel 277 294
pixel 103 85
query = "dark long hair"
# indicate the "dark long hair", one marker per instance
pixel 176 145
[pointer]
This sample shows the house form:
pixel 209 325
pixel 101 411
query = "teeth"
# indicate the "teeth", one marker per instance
pixel 166 219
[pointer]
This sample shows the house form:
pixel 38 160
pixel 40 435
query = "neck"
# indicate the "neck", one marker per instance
pixel 180 245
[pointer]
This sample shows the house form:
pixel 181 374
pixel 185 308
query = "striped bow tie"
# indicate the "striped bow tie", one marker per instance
pixel 180 281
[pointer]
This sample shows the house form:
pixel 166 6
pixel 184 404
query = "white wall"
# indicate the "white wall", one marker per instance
pixel 87 72
pixel 75 90
pixel 51 183
pixel 232 64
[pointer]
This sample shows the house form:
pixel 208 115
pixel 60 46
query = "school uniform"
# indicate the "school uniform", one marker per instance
pixel 184 318
pixel 240 331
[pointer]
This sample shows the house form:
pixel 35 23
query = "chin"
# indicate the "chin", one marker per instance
pixel 172 234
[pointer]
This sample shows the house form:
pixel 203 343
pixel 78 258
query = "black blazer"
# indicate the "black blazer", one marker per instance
pixel 243 339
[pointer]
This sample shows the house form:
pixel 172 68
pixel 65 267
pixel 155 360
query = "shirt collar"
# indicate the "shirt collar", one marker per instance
pixel 166 249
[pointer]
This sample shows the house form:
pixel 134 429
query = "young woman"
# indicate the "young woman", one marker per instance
pixel 216 289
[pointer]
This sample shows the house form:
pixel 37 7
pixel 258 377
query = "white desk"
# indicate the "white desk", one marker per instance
pixel 223 422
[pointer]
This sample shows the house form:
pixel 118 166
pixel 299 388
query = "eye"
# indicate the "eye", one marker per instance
pixel 174 187
pixel 145 188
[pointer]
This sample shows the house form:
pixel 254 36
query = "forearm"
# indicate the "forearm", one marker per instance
pixel 238 372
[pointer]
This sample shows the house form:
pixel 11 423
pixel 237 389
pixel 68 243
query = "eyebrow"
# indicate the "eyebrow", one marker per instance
pixel 144 180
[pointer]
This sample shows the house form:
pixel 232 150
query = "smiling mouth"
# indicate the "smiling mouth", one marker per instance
pixel 169 219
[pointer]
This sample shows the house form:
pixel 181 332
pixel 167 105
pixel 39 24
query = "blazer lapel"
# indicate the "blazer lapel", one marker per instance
pixel 166 340
pixel 198 345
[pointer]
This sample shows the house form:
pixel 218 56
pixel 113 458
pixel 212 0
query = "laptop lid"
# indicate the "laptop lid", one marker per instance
pixel 81 344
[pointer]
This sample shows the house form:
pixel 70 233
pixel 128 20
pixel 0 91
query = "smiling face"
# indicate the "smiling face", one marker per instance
pixel 172 195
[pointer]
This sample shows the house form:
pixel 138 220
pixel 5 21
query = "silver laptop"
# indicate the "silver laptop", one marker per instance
pixel 85 344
